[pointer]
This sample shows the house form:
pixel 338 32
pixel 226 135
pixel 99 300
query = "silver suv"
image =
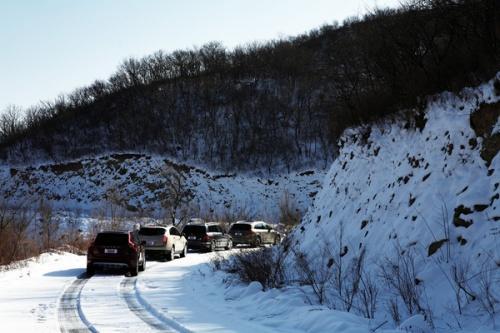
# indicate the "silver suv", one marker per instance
pixel 254 233
pixel 163 242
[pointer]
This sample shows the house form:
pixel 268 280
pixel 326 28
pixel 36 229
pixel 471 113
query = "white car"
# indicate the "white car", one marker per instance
pixel 163 242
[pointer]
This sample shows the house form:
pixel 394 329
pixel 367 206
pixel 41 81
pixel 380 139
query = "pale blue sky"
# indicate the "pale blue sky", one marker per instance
pixel 49 47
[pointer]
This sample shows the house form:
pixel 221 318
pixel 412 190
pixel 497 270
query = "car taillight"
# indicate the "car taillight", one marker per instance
pixel 132 246
pixel 165 239
pixel 206 238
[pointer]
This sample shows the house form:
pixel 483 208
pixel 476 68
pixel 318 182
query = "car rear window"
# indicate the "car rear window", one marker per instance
pixel 213 228
pixel 145 231
pixel 111 239
pixel 241 226
pixel 194 230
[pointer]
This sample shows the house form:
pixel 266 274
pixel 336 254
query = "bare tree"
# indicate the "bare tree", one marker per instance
pixel 10 121
pixel 114 210
pixel 48 225
pixel 175 194
pixel 290 214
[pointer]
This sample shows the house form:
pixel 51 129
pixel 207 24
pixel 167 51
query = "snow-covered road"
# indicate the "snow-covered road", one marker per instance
pixel 53 294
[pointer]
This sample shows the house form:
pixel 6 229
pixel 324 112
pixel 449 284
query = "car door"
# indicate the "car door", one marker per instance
pixel 271 234
pixel 176 239
pixel 267 233
pixel 260 230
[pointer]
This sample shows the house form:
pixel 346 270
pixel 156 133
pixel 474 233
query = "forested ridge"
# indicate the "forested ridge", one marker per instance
pixel 276 105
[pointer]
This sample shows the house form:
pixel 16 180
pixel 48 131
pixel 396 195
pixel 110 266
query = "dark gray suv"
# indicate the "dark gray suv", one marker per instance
pixel 207 236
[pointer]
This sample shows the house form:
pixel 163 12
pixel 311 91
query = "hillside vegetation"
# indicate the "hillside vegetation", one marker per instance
pixel 273 106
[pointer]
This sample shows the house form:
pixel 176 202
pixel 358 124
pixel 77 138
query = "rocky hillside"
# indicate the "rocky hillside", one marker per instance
pixel 417 202
pixel 136 184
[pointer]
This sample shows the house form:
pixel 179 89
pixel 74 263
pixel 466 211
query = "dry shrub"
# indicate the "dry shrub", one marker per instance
pixel 265 265
pixel 16 243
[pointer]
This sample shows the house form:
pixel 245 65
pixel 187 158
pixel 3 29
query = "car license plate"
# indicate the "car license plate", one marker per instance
pixel 111 251
pixel 192 237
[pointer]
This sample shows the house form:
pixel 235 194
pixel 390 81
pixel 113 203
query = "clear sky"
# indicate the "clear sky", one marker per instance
pixel 49 47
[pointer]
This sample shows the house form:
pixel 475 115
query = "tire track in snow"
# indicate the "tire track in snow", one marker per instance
pixel 69 313
pixel 138 305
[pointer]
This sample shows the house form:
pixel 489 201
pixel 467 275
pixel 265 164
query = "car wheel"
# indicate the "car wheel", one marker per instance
pixel 212 246
pixel 184 251
pixel 90 270
pixel 229 245
pixel 171 255
pixel 134 270
pixel 257 242
pixel 277 240
pixel 142 266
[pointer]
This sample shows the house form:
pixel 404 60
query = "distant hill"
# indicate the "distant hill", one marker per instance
pixel 276 106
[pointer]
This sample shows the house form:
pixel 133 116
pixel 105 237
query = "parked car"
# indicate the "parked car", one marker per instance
pixel 253 233
pixel 207 236
pixel 163 242
pixel 116 249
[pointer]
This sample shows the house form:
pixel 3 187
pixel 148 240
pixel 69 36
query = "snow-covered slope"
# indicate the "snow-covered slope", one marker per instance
pixel 136 180
pixel 426 198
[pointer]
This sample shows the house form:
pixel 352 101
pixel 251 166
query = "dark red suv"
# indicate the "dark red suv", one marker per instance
pixel 116 249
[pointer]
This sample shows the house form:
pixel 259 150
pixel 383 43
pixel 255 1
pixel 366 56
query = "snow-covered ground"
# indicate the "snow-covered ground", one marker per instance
pixel 186 295
pixel 29 296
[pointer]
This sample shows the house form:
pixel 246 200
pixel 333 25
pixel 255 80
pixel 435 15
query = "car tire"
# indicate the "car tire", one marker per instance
pixel 184 251
pixel 171 254
pixel 134 270
pixel 257 242
pixel 213 247
pixel 90 270
pixel 229 245
pixel 142 266
pixel 277 240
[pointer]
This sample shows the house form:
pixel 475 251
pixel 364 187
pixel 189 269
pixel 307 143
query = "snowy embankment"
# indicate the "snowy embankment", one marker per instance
pixel 421 207
pixel 136 181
